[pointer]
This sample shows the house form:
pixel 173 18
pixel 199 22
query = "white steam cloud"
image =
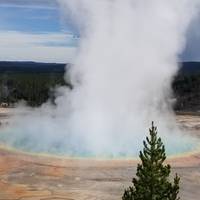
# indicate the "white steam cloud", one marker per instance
pixel 122 81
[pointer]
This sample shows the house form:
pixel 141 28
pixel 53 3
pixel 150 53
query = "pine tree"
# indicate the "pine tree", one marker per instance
pixel 152 182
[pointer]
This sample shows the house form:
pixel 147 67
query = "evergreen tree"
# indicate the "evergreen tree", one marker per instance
pixel 152 182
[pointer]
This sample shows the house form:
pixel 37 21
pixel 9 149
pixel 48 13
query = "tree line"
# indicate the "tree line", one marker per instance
pixel 36 88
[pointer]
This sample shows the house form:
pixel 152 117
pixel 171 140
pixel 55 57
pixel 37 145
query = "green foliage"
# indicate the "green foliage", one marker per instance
pixel 187 92
pixel 34 88
pixel 152 182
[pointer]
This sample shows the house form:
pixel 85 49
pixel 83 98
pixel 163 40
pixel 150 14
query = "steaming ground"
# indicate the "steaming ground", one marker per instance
pixel 35 139
pixel 126 60
pixel 26 177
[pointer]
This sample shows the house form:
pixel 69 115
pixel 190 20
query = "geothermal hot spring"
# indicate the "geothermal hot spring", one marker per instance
pixel 125 62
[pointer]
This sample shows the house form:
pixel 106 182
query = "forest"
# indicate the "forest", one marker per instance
pixel 35 83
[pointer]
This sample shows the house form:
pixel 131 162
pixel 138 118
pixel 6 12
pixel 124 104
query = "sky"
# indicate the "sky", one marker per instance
pixel 33 30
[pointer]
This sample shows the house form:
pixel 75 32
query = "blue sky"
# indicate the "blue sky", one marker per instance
pixel 33 30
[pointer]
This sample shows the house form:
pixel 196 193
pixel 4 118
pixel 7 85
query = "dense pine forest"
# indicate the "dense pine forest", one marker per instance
pixel 35 83
pixel 186 87
pixel 29 81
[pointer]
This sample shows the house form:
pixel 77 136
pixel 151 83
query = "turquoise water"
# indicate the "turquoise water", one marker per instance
pixel 175 145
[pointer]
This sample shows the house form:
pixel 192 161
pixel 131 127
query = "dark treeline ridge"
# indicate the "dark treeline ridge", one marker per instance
pixel 186 87
pixel 30 81
pixel 34 83
pixel 31 67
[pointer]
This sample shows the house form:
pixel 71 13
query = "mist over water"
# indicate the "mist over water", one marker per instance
pixel 126 60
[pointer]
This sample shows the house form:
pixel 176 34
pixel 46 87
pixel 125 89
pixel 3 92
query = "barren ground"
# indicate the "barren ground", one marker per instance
pixel 26 177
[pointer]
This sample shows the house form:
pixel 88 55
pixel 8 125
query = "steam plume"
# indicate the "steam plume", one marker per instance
pixel 127 58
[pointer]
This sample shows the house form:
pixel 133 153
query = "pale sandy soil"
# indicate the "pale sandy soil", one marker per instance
pixel 26 177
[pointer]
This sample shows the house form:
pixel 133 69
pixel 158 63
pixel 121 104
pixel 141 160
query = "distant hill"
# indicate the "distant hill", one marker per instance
pixel 36 67
pixel 31 67
pixel 189 68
